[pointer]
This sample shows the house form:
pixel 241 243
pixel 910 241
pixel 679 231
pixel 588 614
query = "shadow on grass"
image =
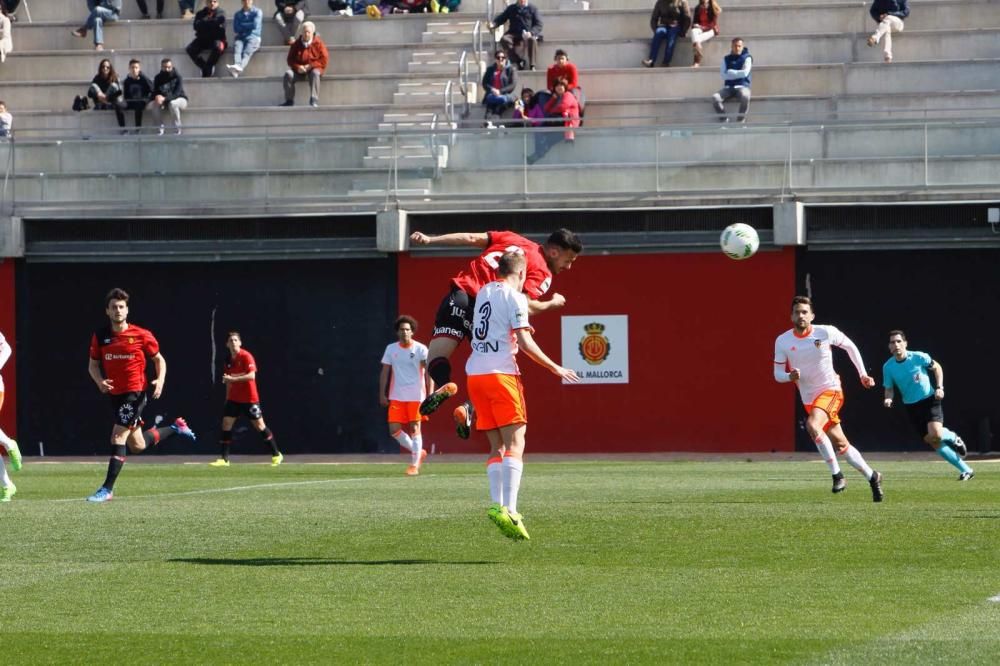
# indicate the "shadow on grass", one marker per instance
pixel 308 561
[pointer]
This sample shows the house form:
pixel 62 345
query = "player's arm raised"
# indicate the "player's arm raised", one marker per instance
pixel 457 239
pixel 160 364
pixel 528 345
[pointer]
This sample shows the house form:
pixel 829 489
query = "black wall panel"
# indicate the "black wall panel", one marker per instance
pixel 947 302
pixel 316 328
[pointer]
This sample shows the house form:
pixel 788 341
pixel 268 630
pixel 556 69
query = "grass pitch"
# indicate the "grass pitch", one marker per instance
pixel 629 562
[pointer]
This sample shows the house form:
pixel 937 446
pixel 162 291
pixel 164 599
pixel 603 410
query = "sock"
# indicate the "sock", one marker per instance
pixel 268 438
pixel 494 472
pixel 403 439
pixel 418 446
pixel 825 449
pixel 857 461
pixel 5 441
pixel 440 371
pixel 5 481
pixel 512 468
pixel 948 436
pixel 154 436
pixel 951 456
pixel 115 465
pixel 225 443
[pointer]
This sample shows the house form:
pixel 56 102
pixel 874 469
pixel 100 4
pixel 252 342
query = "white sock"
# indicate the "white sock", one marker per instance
pixel 857 461
pixel 5 440
pixel 404 440
pixel 512 468
pixel 418 445
pixel 4 479
pixel 494 472
pixel 825 449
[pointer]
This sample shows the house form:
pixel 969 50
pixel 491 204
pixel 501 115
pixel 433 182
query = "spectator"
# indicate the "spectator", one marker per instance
pixel 889 15
pixel 137 90
pixel 144 8
pixel 6 120
pixel 6 42
pixel 670 20
pixel 499 83
pixel 528 110
pixel 187 8
pixel 106 90
pixel 411 6
pixel 735 81
pixel 290 15
pixel 563 107
pixel 101 11
pixel 340 7
pixel 307 59
pixel 247 26
pixel 9 7
pixel 445 6
pixel 524 31
pixel 168 94
pixel 209 36
pixel 564 69
pixel 704 26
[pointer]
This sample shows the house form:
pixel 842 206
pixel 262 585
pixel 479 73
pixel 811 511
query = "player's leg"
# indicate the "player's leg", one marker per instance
pixel 511 412
pixel 479 393
pixel 13 452
pixel 856 460
pixel 119 436
pixel 418 454
pixel 225 438
pixel 935 437
pixel 452 322
pixel 816 423
pixel 256 417
pixel 7 487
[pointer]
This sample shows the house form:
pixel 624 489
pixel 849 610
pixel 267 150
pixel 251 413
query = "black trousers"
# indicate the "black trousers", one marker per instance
pixel 145 9
pixel 214 48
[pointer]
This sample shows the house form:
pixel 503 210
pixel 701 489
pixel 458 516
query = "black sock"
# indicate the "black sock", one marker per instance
pixel 268 438
pixel 440 371
pixel 154 436
pixel 115 465
pixel 226 441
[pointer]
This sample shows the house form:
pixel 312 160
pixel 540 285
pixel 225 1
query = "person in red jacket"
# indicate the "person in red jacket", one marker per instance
pixel 704 26
pixel 561 105
pixel 307 60
pixel 562 68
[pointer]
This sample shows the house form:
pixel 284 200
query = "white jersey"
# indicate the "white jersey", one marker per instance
pixel 408 381
pixel 812 354
pixel 500 310
pixel 5 352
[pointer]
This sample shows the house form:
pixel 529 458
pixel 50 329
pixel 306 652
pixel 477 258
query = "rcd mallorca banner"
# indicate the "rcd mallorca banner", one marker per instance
pixel 596 346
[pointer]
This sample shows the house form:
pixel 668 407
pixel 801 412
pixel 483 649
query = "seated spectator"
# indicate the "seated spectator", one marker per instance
pixel 101 12
pixel 187 8
pixel 670 20
pixel 307 59
pixel 248 23
pixel 445 6
pixel 137 90
pixel 168 94
pixel 889 15
pixel 209 37
pixel 340 7
pixel 411 6
pixel 735 81
pixel 565 110
pixel 144 8
pixel 499 83
pixel 564 69
pixel 6 120
pixel 9 7
pixel 106 90
pixel 528 110
pixel 290 15
pixel 6 40
pixel 524 31
pixel 704 26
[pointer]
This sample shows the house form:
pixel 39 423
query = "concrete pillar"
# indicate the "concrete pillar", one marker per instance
pixel 392 231
pixel 11 237
pixel 789 223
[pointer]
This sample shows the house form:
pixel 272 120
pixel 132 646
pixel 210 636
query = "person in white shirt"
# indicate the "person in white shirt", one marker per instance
pixel 6 120
pixel 804 355
pixel 500 328
pixel 7 487
pixel 406 362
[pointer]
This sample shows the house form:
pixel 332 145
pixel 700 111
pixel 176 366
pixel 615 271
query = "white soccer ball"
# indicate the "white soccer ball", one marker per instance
pixel 739 241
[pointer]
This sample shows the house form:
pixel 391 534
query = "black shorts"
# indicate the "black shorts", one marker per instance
pixel 923 412
pixel 251 410
pixel 128 408
pixel 454 316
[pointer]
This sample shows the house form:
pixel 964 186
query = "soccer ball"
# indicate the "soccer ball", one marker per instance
pixel 739 241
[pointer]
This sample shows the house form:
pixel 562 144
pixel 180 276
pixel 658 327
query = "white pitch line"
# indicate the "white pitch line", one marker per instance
pixel 994 599
pixel 208 491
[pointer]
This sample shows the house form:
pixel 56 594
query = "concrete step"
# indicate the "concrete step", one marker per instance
pixel 408 120
pixel 408 149
pixel 405 162
pixel 405 186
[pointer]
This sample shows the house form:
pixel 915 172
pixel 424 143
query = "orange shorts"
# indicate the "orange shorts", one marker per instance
pixel 830 402
pixel 404 412
pixel 498 400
